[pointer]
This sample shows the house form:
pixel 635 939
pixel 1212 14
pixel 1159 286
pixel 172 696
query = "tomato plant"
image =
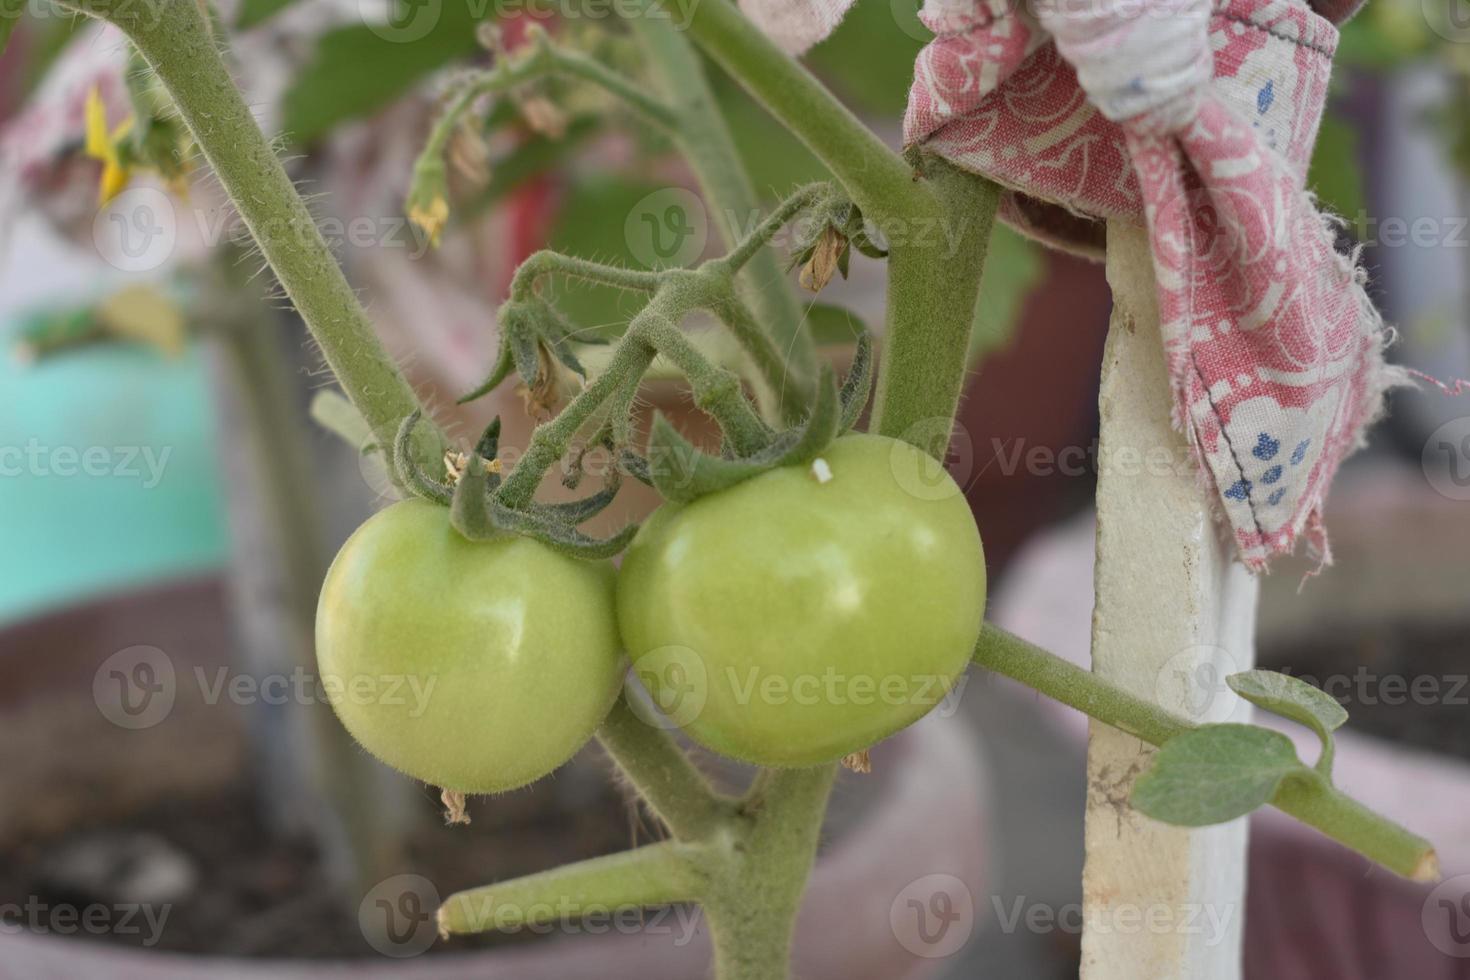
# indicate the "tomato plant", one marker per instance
pixel 478 666
pixel 790 621
pixel 794 576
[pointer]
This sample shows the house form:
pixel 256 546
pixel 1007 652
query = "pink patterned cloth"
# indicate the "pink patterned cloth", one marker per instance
pixel 1200 118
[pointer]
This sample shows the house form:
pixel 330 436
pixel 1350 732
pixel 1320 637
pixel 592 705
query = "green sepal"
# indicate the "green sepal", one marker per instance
pixel 504 364
pixel 469 510
pixel 682 472
pixel 406 464
pixel 574 512
pixel 489 445
pixel 520 334
pixel 636 466
pixel 560 537
pixel 857 386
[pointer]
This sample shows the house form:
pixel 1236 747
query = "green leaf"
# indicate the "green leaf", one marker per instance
pixel 359 69
pixel 833 326
pixel 1292 697
pixel 1216 773
pixel 1013 267
pixel 255 12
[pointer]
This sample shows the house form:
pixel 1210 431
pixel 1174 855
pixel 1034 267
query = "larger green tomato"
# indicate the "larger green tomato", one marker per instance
pixel 475 666
pixel 809 612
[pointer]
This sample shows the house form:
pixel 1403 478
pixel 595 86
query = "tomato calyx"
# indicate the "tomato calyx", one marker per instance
pixel 479 515
pixel 681 472
pixel 534 337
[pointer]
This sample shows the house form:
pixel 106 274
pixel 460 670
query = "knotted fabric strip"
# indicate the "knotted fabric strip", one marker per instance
pixel 1198 117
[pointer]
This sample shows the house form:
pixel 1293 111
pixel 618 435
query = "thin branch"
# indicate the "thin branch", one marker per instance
pixel 659 874
pixel 1315 802
pixel 662 774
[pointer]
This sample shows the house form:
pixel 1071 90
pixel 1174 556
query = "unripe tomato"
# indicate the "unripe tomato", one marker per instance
pixel 475 666
pixel 790 621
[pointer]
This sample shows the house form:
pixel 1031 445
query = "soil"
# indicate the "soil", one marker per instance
pixel 232 887
pixel 1407 683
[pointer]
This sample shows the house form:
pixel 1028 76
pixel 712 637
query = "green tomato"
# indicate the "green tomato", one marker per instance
pixel 809 612
pixel 475 666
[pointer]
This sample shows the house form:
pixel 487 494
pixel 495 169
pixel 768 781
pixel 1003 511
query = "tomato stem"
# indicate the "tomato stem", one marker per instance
pixel 705 141
pixel 663 775
pixel 659 874
pixel 177 42
pixel 1315 802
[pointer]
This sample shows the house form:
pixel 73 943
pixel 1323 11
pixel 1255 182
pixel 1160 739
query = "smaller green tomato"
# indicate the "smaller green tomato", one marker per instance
pixel 474 666
pixel 809 612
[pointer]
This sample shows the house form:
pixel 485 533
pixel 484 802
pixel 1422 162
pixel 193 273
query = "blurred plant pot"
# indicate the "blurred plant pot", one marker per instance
pixel 892 896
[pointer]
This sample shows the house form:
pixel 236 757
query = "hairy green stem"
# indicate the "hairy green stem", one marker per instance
pixel 705 141
pixel 1315 801
pixel 654 331
pixel 875 177
pixel 659 874
pixel 752 914
pixel 663 775
pixel 547 262
pixel 177 42
pixel 934 270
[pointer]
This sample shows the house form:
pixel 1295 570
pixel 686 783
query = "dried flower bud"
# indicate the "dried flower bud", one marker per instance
pixel 826 259
pixel 542 115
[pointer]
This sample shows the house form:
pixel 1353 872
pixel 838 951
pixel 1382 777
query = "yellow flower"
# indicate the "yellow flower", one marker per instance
pixel 103 145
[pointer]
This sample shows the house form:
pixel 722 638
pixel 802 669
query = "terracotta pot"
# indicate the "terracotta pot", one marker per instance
pixel 904 843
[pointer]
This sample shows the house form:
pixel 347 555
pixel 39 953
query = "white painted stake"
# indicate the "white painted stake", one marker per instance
pixel 1174 615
